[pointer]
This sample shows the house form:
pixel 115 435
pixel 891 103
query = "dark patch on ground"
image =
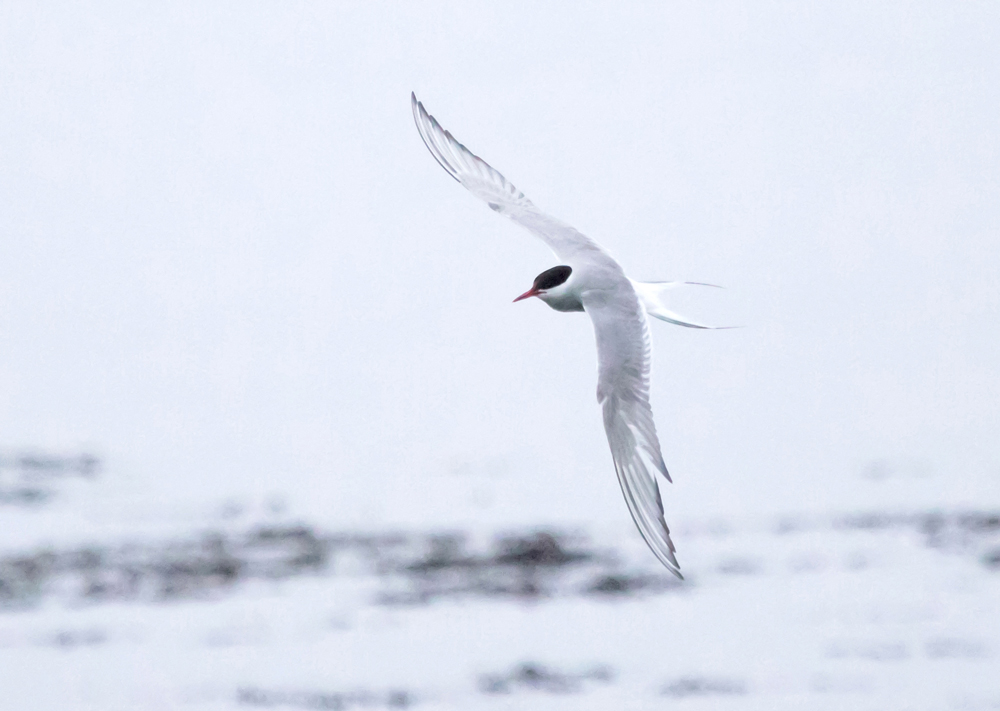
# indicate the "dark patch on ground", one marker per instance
pixel 966 532
pixel 409 568
pixel 693 686
pixel 955 648
pixel 538 550
pixel 868 521
pixel 536 564
pixel 404 569
pixel 536 677
pixel 337 700
pixel 739 566
pixel 529 566
pixel 161 571
pixel 79 638
pixel 32 478
pixel 615 585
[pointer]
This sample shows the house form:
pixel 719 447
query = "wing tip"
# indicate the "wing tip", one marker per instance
pixel 669 561
pixel 416 106
pixel 426 127
pixel 662 466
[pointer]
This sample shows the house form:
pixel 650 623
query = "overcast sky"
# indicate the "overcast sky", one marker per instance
pixel 229 266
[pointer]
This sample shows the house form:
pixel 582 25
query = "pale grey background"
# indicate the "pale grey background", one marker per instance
pixel 229 266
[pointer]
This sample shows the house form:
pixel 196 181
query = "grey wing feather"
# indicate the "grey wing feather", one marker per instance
pixel 624 356
pixel 486 183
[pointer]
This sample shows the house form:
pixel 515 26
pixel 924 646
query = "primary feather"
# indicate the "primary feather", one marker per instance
pixel 486 183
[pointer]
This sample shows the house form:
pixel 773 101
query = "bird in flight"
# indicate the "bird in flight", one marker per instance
pixel 589 279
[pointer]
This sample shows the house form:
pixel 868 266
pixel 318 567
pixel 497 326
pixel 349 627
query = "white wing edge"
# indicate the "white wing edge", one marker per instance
pixel 425 125
pixel 463 165
pixel 639 486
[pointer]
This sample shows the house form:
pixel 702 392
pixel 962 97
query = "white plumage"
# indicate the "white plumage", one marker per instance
pixel 616 305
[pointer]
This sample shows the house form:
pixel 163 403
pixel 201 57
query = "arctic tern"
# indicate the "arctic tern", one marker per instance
pixel 589 279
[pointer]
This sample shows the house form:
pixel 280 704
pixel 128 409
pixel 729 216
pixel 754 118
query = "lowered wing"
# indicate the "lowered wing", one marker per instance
pixel 624 354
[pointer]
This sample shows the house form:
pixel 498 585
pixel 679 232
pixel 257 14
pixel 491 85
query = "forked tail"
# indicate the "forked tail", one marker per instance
pixel 651 294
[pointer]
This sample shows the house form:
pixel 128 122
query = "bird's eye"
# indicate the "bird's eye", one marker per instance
pixel 553 277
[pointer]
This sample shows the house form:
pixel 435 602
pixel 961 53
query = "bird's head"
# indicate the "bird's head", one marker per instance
pixel 549 283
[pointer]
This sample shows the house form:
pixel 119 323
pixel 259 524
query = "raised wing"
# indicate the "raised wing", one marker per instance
pixel 488 185
pixel 623 354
